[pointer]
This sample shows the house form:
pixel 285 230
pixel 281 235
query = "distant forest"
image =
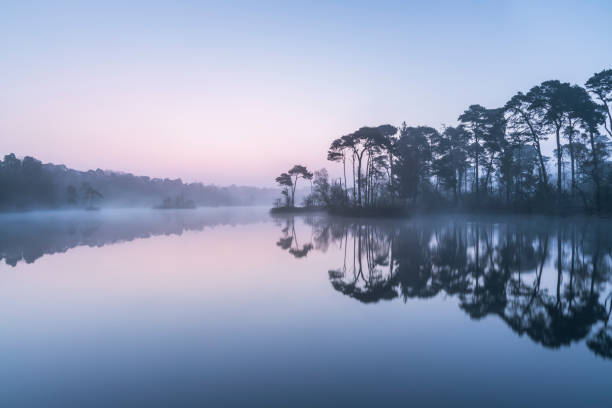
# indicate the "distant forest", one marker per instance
pixel 29 184
pixel 493 160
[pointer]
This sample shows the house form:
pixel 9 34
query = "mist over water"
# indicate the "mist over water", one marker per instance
pixel 28 236
pixel 234 307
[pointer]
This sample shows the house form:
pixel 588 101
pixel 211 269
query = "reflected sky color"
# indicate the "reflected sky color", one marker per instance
pixel 203 90
pixel 217 313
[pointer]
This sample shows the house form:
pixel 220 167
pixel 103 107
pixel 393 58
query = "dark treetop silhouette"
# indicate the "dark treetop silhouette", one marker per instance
pixel 288 182
pixel 492 160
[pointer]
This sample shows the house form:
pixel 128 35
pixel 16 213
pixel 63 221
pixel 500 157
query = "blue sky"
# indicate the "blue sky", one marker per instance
pixel 237 92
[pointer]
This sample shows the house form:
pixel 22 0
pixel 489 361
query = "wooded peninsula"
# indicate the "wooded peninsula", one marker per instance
pixel 493 160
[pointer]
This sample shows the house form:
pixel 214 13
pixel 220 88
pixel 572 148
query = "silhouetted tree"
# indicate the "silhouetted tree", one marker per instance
pixel 552 101
pixel 296 172
pixel 475 119
pixel 321 190
pixel 337 152
pixel 413 163
pixel 285 181
pixel 526 120
pixel 450 154
pixel 600 84
pixel 373 141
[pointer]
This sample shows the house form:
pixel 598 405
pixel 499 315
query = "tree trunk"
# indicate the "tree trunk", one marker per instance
pixel 608 129
pixel 543 173
pixel 520 174
pixel 354 188
pixel 571 149
pixel 359 157
pixel 293 192
pixel 489 170
pixel 464 180
pixel 595 173
pixel 344 170
pixel 557 130
pixel 477 155
pixel 391 176
pixel 536 142
pixel 367 180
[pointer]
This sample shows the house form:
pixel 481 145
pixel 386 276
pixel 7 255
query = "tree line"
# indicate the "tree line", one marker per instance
pixel 30 184
pixel 493 158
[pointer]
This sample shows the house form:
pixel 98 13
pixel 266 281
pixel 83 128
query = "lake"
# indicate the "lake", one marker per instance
pixel 235 307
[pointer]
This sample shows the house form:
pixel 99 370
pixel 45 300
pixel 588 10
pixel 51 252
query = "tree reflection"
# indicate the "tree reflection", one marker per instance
pixel 370 276
pixel 545 278
pixel 25 237
pixel 601 342
pixel 289 241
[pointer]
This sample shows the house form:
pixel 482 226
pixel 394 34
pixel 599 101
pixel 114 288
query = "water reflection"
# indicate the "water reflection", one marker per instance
pixel 27 237
pixel 546 278
pixel 289 241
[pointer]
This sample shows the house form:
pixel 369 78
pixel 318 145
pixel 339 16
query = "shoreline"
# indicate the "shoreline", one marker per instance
pixel 394 213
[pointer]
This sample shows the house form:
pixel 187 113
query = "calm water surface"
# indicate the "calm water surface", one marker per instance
pixel 233 307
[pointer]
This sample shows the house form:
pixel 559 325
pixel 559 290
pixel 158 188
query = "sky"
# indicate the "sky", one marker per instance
pixel 237 93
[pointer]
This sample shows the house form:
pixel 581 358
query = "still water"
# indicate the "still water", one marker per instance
pixel 234 307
